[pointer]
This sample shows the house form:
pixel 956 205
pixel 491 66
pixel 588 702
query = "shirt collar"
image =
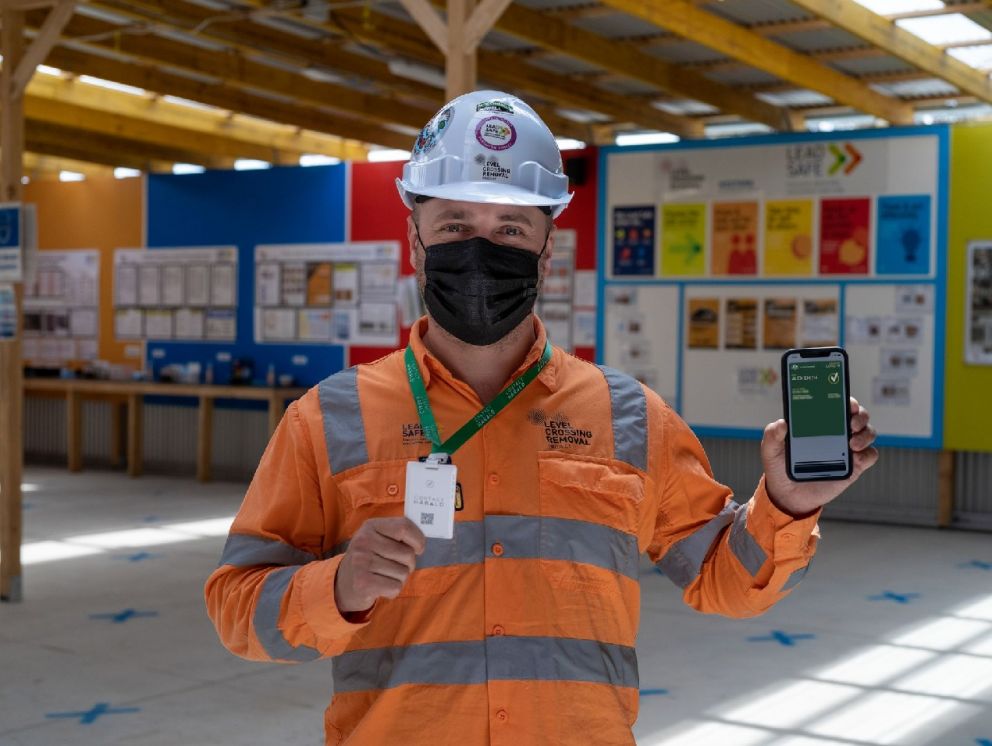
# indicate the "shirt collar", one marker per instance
pixel 430 366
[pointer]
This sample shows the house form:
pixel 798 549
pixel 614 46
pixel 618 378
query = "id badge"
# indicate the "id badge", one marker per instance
pixel 429 500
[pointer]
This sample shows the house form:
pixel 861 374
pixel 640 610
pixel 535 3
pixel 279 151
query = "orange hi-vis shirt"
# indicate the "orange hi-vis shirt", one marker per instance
pixel 521 629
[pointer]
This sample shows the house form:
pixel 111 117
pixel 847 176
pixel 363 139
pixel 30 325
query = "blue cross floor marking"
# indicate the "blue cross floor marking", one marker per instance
pixel 978 564
pixel 899 598
pixel 983 741
pixel 150 519
pixel 782 638
pixel 120 617
pixel 86 717
pixel 653 692
pixel 138 556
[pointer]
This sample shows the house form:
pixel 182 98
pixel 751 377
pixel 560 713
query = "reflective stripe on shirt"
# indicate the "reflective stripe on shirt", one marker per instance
pixel 493 659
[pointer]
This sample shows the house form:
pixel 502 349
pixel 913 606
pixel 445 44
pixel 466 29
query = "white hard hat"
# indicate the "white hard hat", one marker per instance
pixel 486 146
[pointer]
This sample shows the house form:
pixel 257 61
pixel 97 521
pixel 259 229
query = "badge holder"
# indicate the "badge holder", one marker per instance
pixel 429 500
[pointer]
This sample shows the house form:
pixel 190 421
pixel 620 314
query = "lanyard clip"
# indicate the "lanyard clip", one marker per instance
pixel 438 459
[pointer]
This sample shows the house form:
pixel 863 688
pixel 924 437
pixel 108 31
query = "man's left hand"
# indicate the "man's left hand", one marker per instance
pixel 802 498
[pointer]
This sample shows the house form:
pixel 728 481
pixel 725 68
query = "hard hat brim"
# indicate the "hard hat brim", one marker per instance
pixel 485 192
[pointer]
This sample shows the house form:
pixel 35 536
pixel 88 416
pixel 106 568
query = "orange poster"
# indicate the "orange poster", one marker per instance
pixel 319 284
pixel 735 238
pixel 704 323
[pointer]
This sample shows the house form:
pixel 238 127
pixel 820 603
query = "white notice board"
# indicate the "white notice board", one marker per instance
pixel 715 256
pixel 183 294
pixel 339 293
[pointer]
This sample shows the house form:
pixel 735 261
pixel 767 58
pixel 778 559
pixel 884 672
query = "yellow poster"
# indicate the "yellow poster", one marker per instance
pixel 735 238
pixel 683 236
pixel 789 237
pixel 704 323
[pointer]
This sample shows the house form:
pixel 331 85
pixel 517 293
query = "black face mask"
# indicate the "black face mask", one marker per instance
pixel 478 290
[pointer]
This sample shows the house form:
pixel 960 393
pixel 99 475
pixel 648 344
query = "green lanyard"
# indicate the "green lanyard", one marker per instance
pixel 474 425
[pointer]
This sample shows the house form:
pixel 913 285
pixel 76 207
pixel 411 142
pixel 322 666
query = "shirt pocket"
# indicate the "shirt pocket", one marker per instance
pixel 377 490
pixel 590 513
pixel 598 491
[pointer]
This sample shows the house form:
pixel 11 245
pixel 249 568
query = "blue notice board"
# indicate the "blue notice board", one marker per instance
pixel 244 208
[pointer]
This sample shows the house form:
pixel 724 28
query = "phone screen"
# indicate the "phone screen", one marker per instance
pixel 817 401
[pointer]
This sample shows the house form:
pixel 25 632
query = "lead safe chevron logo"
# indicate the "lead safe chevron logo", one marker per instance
pixel 822 160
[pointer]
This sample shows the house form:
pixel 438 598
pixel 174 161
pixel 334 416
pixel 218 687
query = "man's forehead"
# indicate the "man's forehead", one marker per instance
pixel 444 209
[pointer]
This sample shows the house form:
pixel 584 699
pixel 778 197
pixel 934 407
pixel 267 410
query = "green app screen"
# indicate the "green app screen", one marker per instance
pixel 817 399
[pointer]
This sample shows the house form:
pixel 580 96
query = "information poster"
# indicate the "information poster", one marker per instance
pixel 11 242
pixel 789 237
pixel 556 306
pixel 61 308
pixel 978 335
pixel 780 319
pixel 634 240
pixel 735 238
pixel 903 243
pixel 704 323
pixel 742 324
pixel 683 237
pixel 844 232
pixel 339 293
pixel 185 294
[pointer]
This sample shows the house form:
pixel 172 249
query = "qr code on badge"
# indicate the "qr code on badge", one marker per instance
pixel 426 519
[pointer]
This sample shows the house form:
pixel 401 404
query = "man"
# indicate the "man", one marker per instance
pixel 521 629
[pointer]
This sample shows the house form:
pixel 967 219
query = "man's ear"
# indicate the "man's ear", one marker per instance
pixel 548 250
pixel 412 239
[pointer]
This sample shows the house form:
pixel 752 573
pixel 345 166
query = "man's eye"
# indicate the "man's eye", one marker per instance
pixel 513 231
pixel 452 228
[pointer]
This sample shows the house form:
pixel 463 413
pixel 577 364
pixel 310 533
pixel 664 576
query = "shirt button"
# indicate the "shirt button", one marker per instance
pixel 502 716
pixel 392 490
pixel 494 479
pixel 497 549
pixel 498 630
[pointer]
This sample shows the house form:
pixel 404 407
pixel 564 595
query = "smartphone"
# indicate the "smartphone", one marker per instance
pixel 816 399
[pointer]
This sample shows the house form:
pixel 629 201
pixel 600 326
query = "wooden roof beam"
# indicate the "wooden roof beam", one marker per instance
pixel 886 35
pixel 110 150
pixel 154 79
pixel 512 74
pixel 235 69
pixel 247 36
pixel 556 35
pixel 234 137
pixel 684 19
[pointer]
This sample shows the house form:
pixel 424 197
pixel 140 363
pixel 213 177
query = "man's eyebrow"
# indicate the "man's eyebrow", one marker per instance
pixel 516 217
pixel 450 214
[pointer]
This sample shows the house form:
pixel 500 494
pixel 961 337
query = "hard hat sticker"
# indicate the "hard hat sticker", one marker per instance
pixel 433 132
pixel 493 170
pixel 500 106
pixel 495 133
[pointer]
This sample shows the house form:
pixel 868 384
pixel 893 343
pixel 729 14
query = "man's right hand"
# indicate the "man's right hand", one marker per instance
pixel 380 557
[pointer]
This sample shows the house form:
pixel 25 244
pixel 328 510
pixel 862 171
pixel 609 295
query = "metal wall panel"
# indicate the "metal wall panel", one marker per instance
pixel 239 437
pixel 973 490
pixel 901 488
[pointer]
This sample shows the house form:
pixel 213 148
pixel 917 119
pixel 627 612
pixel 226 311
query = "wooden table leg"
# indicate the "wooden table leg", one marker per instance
pixel 135 434
pixel 116 432
pixel 205 435
pixel 74 430
pixel 275 412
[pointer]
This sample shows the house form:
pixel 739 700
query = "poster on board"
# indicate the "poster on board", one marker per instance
pixel 903 235
pixel 61 299
pixel 978 334
pixel 634 240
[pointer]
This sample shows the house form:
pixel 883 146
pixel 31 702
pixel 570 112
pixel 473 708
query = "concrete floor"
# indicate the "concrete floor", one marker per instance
pixel 887 641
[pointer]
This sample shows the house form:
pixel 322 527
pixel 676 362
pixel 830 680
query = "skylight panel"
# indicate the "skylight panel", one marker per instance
pixel 953 28
pixel 978 56
pixel 896 7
